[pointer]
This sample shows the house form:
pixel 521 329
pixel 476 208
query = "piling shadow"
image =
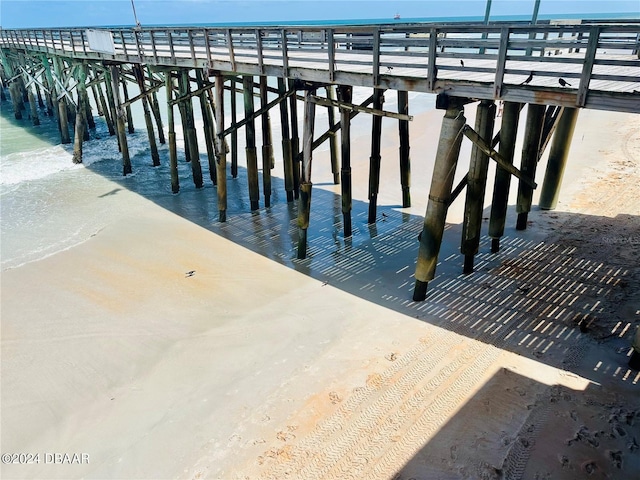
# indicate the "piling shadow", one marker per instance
pixel 47 132
pixel 553 429
pixel 538 297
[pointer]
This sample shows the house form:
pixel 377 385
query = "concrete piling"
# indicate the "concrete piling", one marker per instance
pixel 441 184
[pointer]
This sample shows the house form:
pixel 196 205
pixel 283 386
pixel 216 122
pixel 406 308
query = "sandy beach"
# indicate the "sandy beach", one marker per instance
pixel 166 345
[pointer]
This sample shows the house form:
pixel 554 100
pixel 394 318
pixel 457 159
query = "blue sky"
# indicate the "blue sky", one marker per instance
pixel 61 13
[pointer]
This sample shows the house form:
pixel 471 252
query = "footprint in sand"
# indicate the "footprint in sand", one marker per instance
pixel 616 458
pixel 589 467
pixel 564 461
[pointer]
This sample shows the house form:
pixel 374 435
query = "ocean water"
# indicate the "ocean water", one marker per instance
pixel 48 204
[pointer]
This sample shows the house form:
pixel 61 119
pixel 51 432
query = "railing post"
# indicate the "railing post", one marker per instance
pixel 431 66
pixel 192 47
pixel 285 53
pixel 230 47
pixel 84 46
pixel 587 66
pixel 501 62
pixel 207 46
pixel 332 54
pixel 258 34
pixel 153 47
pixel 171 48
pixel 376 56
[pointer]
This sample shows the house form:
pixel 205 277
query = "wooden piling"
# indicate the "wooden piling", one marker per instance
pixel 153 146
pixel 108 116
pixel 405 159
pixel 24 97
pixel 267 145
pixel 508 133
pixel 304 206
pixel 529 161
pixel 287 159
pixel 155 157
pixel 112 105
pixel 190 133
pixel 173 150
pixel 120 116
pixel 439 194
pixel 3 97
pixel 208 127
pixel 155 108
pixel 476 185
pixel 333 139
pixel 38 95
pixel 21 94
pixel 251 154
pixel 48 96
pixel 221 161
pixel 15 100
pixel 52 97
pixel 234 133
pixel 125 91
pixel 62 106
pixel 88 112
pixel 33 107
pixel 94 92
pixel 81 120
pixel 374 159
pixel 345 93
pixel 295 140
pixel 558 159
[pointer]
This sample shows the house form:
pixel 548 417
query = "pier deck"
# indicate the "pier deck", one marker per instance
pixel 599 60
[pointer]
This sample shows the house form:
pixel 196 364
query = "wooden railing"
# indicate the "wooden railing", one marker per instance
pixel 599 61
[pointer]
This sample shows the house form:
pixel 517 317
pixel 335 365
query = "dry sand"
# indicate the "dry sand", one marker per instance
pixel 258 365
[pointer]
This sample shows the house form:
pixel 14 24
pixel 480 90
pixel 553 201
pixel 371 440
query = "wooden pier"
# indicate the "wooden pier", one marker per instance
pixel 554 67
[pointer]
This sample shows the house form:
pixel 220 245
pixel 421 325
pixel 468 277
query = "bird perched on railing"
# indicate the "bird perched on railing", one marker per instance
pixel 563 82
pixel 529 78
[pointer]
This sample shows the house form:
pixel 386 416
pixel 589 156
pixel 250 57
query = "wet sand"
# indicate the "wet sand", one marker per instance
pixel 170 347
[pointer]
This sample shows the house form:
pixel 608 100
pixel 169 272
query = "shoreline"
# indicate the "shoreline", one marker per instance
pixel 110 348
